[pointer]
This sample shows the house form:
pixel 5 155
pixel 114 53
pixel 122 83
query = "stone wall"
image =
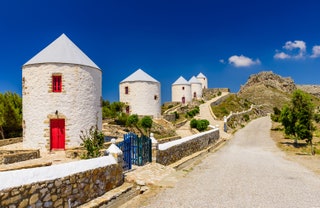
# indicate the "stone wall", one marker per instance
pixel 80 184
pixel 13 156
pixel 173 151
pixel 213 92
pixel 4 142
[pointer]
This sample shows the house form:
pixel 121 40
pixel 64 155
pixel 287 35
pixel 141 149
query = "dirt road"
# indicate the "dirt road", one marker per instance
pixel 249 171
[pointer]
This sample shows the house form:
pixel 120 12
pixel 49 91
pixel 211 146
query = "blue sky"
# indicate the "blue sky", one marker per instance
pixel 225 40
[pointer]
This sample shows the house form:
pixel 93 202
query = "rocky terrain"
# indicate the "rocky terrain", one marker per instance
pixel 267 88
pixel 312 89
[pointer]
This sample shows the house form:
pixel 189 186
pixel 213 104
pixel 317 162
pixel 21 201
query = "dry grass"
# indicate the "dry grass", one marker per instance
pixel 300 153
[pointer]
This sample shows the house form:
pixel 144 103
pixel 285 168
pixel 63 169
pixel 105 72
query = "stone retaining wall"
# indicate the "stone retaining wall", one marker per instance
pixel 80 184
pixel 173 151
pixel 13 156
pixel 4 142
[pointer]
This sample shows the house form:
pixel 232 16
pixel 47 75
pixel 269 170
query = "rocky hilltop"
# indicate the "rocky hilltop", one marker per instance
pixel 267 88
pixel 312 89
pixel 269 79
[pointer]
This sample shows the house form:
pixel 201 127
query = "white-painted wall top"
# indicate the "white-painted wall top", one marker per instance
pixel 181 81
pixel 139 75
pixel 62 50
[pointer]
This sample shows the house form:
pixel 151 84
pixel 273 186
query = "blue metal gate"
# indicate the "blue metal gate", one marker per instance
pixel 136 150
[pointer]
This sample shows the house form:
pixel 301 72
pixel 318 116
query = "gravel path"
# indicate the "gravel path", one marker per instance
pixel 247 172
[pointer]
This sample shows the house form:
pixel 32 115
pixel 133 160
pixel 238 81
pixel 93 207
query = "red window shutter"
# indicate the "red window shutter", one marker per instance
pixel 56 84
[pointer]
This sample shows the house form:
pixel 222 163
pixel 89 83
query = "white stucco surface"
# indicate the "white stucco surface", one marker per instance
pixel 21 177
pixel 141 97
pixel 196 87
pixel 167 145
pixel 181 90
pixel 203 79
pixel 79 103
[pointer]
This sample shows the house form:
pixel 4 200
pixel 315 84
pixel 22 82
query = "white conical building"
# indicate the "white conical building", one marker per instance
pixel 203 79
pixel 196 88
pixel 181 91
pixel 61 96
pixel 142 94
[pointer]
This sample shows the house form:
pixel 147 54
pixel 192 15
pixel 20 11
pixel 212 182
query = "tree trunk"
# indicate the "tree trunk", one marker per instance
pixel 312 149
pixel 1 132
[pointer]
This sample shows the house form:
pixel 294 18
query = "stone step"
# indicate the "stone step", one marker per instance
pixel 114 198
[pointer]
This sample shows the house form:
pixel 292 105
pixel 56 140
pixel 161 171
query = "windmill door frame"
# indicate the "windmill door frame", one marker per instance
pixel 57 134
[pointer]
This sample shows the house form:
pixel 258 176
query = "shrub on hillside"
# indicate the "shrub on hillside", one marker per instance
pixel 200 125
pixel 193 123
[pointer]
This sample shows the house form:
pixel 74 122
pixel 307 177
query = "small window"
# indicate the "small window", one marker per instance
pixel 56 83
pixel 126 89
pixel 195 94
pixel 182 88
pixel 155 97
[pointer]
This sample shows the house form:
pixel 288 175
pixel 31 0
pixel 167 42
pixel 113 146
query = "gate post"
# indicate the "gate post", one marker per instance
pixel 155 146
pixel 116 152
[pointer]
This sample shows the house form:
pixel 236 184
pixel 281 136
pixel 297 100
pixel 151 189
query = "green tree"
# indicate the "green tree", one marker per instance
pixel 146 124
pixel 10 115
pixel 297 117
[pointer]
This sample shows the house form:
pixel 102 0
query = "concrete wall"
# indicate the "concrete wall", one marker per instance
pixel 144 98
pixel 173 151
pixel 79 103
pixel 61 185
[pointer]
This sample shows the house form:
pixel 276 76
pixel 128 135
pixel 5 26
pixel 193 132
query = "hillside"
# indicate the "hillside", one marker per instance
pixel 268 89
pixel 312 89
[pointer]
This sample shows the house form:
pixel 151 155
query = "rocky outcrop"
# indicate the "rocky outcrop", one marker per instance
pixel 269 79
pixel 267 88
pixel 312 89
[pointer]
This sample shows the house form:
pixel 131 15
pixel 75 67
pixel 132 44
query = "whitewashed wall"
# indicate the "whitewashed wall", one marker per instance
pixel 79 102
pixel 204 82
pixel 197 88
pixel 141 97
pixel 178 93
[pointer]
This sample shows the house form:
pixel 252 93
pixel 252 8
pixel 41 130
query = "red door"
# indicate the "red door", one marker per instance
pixel 57 134
pixel 183 100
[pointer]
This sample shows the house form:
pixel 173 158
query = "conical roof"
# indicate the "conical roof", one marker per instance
pixel 62 50
pixel 139 75
pixel 200 75
pixel 194 80
pixel 181 81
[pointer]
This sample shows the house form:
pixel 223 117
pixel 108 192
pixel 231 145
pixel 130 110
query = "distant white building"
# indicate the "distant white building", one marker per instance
pixel 196 88
pixel 142 94
pixel 61 96
pixel 203 79
pixel 181 91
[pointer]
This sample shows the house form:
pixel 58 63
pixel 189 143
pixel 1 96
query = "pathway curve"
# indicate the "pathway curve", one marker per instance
pixel 250 171
pixel 206 113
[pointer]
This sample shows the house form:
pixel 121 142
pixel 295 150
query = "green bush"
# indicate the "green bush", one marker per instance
pixel 246 117
pixel 316 118
pixel 193 112
pixel 121 119
pixel 193 123
pixel 92 141
pixel 176 115
pixel 200 125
